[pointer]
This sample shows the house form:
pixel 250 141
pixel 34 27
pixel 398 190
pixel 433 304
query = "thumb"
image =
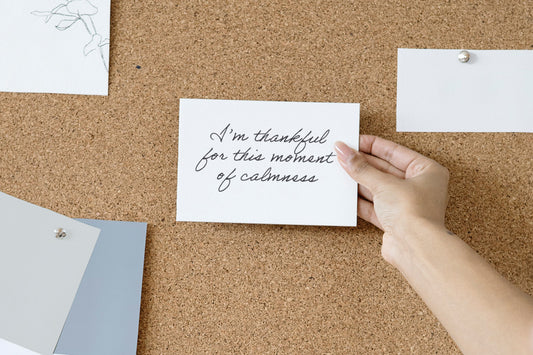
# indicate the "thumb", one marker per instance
pixel 359 168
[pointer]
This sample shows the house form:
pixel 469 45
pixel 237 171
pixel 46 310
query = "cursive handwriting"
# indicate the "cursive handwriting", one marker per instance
pixel 300 139
pixel 297 158
pixel 226 180
pixel 245 155
pixel 296 137
pixel 220 135
pixel 210 155
pixel 269 176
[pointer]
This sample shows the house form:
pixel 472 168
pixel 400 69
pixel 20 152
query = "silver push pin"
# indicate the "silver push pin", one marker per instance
pixel 60 233
pixel 463 56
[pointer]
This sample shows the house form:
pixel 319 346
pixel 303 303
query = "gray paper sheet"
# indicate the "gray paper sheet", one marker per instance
pixel 104 318
pixel 39 273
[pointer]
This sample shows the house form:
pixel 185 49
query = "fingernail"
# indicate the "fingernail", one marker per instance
pixel 344 152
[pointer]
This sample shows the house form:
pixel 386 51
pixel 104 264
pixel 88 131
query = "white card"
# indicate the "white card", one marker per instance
pixel 55 46
pixel 492 92
pixel 265 162
pixel 39 273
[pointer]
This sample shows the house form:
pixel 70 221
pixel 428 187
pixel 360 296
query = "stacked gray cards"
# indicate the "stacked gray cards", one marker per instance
pixel 69 286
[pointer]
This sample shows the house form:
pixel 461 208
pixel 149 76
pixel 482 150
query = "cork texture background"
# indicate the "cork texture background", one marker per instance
pixel 264 289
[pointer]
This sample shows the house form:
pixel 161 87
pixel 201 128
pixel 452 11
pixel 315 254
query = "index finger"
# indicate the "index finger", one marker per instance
pixel 398 155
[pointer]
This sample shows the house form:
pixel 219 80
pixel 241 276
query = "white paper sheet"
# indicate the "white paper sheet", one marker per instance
pixel 492 92
pixel 39 273
pixel 231 169
pixel 8 348
pixel 55 46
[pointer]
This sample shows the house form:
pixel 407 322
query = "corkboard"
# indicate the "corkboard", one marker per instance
pixel 229 288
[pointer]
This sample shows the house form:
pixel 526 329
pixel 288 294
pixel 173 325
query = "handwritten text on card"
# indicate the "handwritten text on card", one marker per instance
pixel 265 162
pixel 252 151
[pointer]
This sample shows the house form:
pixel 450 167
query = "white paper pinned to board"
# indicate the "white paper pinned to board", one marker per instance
pixel 492 92
pixel 55 46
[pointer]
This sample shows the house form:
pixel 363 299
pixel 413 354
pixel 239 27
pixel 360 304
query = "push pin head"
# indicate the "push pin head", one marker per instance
pixel 60 233
pixel 463 56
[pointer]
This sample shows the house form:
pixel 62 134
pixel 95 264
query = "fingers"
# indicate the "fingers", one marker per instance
pixel 381 165
pixel 397 155
pixel 384 166
pixel 365 210
pixel 365 193
pixel 359 168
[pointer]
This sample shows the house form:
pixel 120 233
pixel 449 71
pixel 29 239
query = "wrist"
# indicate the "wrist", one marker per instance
pixel 415 226
pixel 413 241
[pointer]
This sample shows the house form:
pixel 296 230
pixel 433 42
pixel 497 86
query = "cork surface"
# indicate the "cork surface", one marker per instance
pixel 231 288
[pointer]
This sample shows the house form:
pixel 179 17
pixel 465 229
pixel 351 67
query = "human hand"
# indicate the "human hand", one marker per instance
pixel 398 187
pixel 405 194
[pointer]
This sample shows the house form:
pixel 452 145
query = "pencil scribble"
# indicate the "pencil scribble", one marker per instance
pixel 72 12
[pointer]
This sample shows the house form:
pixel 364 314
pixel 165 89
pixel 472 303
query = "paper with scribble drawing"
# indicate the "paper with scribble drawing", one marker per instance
pixel 55 46
pixel 265 162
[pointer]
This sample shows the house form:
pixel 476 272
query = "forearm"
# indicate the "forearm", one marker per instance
pixel 483 312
